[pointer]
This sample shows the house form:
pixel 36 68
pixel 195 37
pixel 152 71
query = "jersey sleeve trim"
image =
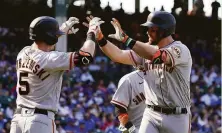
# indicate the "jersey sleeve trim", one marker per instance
pixel 119 103
pixel 71 61
pixel 189 128
pixel 53 128
pixel 171 57
pixel 133 58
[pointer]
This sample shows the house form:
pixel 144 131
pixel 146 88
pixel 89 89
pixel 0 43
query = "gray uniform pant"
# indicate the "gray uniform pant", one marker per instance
pixel 155 122
pixel 29 122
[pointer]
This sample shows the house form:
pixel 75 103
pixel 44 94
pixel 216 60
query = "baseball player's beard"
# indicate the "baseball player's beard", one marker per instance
pixel 155 39
pixel 152 38
pixel 152 41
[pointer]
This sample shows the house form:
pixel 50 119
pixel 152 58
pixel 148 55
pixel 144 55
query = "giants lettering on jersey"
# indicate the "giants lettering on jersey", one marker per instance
pixel 139 98
pixel 149 66
pixel 33 66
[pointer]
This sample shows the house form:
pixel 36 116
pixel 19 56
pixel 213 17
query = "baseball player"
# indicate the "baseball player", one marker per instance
pixel 168 67
pixel 40 73
pixel 129 101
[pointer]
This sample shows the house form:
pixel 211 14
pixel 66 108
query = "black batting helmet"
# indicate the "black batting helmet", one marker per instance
pixel 45 29
pixel 165 21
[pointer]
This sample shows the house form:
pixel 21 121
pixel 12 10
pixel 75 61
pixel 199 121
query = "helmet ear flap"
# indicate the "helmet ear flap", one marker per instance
pixel 32 36
pixel 51 38
pixel 169 31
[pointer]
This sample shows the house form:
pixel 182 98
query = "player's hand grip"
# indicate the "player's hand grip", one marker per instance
pixel 68 26
pixel 119 35
pixel 94 26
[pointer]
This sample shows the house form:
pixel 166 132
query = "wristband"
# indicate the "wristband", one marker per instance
pixel 102 42
pixel 130 127
pixel 129 124
pixel 91 36
pixel 130 43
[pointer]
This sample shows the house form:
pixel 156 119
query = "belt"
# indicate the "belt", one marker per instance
pixel 177 110
pixel 37 111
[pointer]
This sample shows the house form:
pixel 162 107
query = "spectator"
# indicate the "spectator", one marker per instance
pixel 9 111
pixel 81 128
pixel 64 110
pixel 70 127
pixel 210 99
pixel 2 122
pixel 89 122
pixel 86 76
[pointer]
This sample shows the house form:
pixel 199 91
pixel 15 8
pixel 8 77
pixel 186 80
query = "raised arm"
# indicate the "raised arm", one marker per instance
pixel 117 55
pixel 68 28
pixel 142 49
pixel 112 51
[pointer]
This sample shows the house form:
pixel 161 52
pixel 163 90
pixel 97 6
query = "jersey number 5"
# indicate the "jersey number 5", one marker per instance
pixel 24 89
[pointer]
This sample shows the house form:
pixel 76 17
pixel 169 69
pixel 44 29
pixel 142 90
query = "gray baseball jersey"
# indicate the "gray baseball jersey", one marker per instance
pixel 40 77
pixel 168 85
pixel 130 95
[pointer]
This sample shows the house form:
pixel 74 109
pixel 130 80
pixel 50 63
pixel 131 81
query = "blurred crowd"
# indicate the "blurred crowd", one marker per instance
pixel 86 92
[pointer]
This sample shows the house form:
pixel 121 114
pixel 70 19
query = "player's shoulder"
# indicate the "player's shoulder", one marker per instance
pixel 130 77
pixel 178 48
pixel 36 54
pixel 123 80
pixel 134 75
pixel 23 51
pixel 178 45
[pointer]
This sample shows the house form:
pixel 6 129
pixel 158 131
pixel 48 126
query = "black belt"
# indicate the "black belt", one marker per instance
pixel 168 110
pixel 37 111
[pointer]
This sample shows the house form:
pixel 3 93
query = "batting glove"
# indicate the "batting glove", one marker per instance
pixel 68 26
pixel 122 128
pixel 119 35
pixel 131 128
pixel 94 26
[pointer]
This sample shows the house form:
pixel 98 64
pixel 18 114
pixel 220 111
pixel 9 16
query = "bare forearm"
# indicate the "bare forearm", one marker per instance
pixel 116 54
pixel 144 50
pixel 111 51
pixel 89 46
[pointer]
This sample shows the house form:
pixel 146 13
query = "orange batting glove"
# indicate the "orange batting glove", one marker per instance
pixel 123 119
